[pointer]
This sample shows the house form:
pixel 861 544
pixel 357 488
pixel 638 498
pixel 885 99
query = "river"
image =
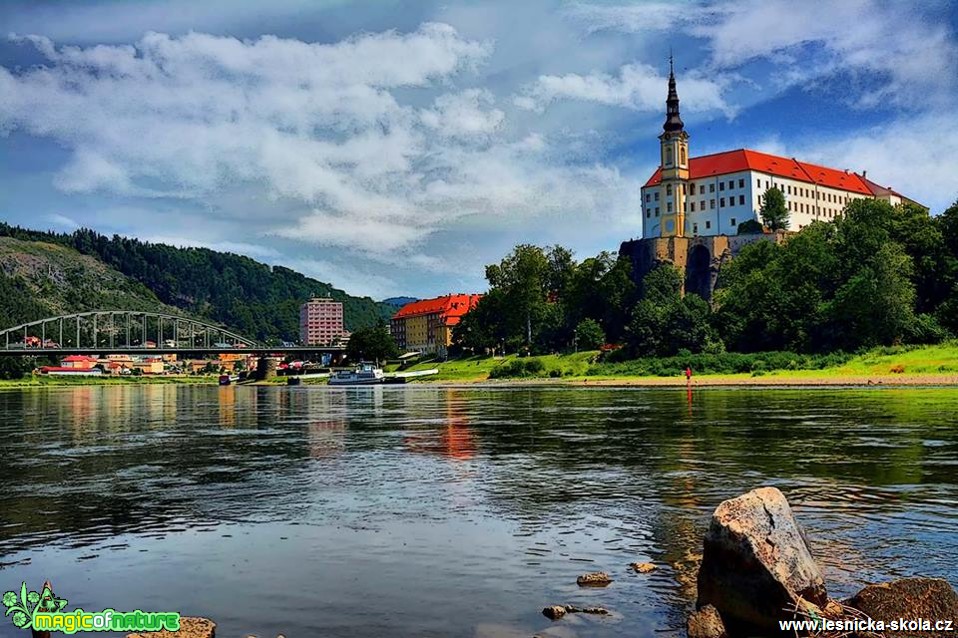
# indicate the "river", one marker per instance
pixel 428 511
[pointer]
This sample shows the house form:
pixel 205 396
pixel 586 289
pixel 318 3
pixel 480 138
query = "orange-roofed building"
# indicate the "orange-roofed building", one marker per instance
pixel 712 194
pixel 426 325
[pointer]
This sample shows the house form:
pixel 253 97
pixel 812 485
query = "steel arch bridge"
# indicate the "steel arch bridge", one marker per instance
pixel 120 331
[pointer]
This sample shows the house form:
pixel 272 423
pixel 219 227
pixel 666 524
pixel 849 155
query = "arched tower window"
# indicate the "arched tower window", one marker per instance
pixel 668 155
pixel 682 155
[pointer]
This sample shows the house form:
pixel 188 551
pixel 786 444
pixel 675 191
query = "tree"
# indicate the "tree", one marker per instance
pixel 750 227
pixel 589 335
pixel 522 279
pixel 774 210
pixel 372 344
pixel 663 321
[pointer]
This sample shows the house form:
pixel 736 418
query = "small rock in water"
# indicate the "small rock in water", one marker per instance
pixel 706 623
pixel 595 579
pixel 554 612
pixel 600 611
pixel 190 627
pixel 643 568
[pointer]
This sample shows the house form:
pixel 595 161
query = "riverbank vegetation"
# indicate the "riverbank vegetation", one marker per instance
pixel 888 362
pixel 877 276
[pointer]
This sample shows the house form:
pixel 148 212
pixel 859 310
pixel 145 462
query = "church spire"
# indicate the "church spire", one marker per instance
pixel 673 121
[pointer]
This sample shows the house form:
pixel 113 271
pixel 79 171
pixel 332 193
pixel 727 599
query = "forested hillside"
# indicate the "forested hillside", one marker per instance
pixel 41 279
pixel 251 297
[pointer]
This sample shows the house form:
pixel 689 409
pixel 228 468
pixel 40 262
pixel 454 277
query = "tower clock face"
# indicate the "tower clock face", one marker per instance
pixel 670 226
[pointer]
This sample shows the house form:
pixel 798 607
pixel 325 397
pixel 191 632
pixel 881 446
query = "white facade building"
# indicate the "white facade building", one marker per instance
pixel 713 194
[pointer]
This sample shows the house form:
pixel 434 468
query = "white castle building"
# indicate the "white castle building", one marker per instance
pixel 713 194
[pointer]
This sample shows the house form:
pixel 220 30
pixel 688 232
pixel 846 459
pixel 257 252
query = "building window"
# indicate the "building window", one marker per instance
pixel 758 183
pixel 656 195
pixel 712 188
pixel 731 184
pixel 682 152
pixel 721 186
pixel 721 202
pixel 648 198
pixel 668 189
pixel 695 228
pixel 741 200
pixel 702 205
pixel 741 183
pixel 656 211
pixel 668 206
pixel 766 185
pixel 712 203
pixel 692 189
pixel 648 214
pixel 693 206
pixel 732 222
pixel 708 225
pixel 668 155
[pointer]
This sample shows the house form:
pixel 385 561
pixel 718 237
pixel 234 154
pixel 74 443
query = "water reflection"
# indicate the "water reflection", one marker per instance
pixel 484 503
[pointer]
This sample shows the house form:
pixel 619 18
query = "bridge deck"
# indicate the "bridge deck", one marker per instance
pixel 190 352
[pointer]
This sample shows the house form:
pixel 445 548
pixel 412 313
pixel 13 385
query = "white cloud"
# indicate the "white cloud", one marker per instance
pixel 333 134
pixel 887 53
pixel 636 86
pixel 917 166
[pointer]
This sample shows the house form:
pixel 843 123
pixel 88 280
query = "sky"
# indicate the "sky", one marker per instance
pixel 396 148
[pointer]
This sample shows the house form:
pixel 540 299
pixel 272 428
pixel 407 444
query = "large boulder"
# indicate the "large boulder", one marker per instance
pixel 756 564
pixel 911 599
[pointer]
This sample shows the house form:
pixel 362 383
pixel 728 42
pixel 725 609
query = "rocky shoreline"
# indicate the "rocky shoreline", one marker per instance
pixel 757 571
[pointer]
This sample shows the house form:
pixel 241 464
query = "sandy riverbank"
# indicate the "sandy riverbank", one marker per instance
pixel 796 381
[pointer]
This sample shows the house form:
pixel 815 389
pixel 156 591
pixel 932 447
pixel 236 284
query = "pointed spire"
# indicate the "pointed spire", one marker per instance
pixel 673 121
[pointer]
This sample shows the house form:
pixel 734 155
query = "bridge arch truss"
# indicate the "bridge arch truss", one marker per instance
pixel 102 330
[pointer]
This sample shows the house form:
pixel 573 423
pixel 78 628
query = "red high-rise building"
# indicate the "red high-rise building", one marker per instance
pixel 321 322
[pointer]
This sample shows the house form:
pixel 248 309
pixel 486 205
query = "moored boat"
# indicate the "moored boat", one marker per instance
pixel 365 374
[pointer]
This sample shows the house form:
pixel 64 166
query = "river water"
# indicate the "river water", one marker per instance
pixel 427 511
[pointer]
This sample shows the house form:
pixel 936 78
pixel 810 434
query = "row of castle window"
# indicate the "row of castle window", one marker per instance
pixel 690 206
pixel 800 191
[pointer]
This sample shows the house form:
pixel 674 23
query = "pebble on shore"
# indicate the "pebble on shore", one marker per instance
pixel 190 627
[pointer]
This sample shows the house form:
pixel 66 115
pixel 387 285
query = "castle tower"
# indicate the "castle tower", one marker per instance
pixel 674 162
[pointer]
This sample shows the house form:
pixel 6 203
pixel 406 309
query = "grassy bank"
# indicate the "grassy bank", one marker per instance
pixel 907 364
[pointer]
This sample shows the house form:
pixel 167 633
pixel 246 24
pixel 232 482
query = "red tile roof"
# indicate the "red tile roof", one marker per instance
pixel 745 159
pixel 79 357
pixel 451 307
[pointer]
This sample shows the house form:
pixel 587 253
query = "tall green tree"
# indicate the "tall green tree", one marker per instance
pixel 774 210
pixel 372 344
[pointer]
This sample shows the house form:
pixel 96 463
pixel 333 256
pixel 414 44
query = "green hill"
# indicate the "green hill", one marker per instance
pixel 250 297
pixel 41 279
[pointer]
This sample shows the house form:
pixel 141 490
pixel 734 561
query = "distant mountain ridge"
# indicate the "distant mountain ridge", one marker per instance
pixel 399 302
pixel 253 298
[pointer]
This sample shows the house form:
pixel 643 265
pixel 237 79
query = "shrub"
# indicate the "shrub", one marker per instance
pixel 898 369
pixel 518 368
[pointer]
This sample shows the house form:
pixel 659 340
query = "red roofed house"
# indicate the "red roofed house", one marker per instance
pixel 712 194
pixel 426 325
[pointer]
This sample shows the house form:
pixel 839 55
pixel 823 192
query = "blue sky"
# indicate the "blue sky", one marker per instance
pixel 397 147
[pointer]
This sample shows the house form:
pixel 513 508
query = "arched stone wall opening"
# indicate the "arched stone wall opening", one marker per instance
pixel 698 272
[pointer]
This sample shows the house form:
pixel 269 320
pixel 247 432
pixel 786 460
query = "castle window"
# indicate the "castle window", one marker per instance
pixel 656 211
pixel 721 186
pixel 668 189
pixel 712 188
pixel 732 222
pixel 668 206
pixel 656 195
pixel 766 185
pixel 648 214
pixel 668 155
pixel 648 198
pixel 741 200
pixel 692 188
pixel 702 205
pixel 695 228
pixel 758 183
pixel 722 202
pixel 712 203
pixel 741 183
pixel 682 152
pixel 731 184
pixel 708 225
pixel 693 206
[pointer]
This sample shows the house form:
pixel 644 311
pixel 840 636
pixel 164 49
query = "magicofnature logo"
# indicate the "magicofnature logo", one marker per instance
pixel 43 611
pixel 28 604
